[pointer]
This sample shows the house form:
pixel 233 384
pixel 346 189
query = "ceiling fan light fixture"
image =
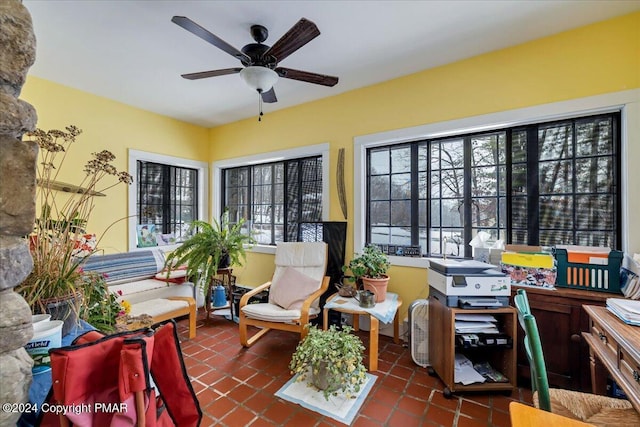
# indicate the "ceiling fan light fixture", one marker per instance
pixel 259 78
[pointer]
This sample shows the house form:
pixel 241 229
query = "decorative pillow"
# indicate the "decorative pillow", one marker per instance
pixel 177 275
pixel 291 288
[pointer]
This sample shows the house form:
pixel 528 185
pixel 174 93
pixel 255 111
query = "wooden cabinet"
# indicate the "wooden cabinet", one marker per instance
pixel 442 347
pixel 561 321
pixel 615 347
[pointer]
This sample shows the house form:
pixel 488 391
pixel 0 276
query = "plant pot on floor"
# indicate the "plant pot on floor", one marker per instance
pixel 377 286
pixel 64 308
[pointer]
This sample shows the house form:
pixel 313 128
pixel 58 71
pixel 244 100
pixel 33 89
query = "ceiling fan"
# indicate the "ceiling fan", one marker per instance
pixel 261 70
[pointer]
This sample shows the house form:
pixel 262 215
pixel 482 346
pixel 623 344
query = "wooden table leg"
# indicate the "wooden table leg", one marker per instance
pixel 325 319
pixel 355 319
pixel 396 327
pixel 373 344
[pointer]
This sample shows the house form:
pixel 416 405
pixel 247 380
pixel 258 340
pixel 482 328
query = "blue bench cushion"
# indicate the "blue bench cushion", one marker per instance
pixel 126 267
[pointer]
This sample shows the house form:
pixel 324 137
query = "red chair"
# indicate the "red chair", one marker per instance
pixel 133 378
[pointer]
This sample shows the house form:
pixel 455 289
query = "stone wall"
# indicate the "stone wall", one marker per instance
pixel 17 202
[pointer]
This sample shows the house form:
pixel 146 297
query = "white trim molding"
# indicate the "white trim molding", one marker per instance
pixel 268 157
pixel 203 188
pixel 628 102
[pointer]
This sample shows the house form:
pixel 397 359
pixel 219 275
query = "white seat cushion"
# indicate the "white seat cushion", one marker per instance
pixel 157 307
pixel 273 313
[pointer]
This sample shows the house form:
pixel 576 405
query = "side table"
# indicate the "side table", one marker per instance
pixel 227 280
pixel 350 306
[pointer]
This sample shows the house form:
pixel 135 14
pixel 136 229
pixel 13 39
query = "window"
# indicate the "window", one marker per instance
pixel 167 195
pixel 539 184
pixel 274 191
pixel 167 198
pixel 275 197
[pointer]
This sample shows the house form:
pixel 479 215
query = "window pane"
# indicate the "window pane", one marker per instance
pixel 594 137
pixel 556 212
pixel 556 177
pixel 484 212
pixel 452 182
pixel 400 236
pixel 519 146
pixel 379 187
pixel 401 213
pixel 380 213
pixel 401 160
pixel 484 150
pixel 435 213
pixel 556 142
pixel 519 179
pixel 379 161
pixel 452 214
pixel 452 154
pixel 484 181
pixel 401 186
pixel 380 235
pixel 594 212
pixel 594 175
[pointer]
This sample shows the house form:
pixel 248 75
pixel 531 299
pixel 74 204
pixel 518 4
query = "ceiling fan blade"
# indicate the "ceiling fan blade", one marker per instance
pixel 269 96
pixel 305 76
pixel 206 35
pixel 300 34
pixel 212 73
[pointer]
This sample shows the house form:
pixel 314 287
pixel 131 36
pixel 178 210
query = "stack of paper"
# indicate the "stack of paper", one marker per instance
pixel 627 310
pixel 464 372
pixel 475 324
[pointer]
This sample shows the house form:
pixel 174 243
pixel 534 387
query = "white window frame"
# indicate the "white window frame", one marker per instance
pixel 203 189
pixel 627 102
pixel 269 157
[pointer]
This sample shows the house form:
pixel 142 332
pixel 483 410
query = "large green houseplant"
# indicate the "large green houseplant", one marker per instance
pixel 370 268
pixel 330 360
pixel 210 248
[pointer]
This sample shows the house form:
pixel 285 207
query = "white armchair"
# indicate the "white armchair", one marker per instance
pixel 294 292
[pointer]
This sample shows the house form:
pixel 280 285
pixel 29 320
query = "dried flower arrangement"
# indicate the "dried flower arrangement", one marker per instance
pixel 56 243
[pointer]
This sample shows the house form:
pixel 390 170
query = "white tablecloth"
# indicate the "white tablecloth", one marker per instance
pixel 384 311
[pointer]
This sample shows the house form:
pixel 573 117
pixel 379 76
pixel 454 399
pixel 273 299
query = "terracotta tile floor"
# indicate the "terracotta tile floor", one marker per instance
pixel 236 386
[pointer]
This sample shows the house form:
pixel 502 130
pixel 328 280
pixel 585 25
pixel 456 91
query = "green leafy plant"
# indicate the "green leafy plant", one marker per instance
pixel 372 263
pixel 212 246
pixel 101 308
pixel 336 354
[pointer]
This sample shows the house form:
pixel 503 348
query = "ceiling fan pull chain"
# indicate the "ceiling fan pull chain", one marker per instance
pixel 260 106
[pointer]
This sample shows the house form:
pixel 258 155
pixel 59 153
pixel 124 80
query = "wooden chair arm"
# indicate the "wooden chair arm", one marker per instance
pixel 245 298
pixel 306 305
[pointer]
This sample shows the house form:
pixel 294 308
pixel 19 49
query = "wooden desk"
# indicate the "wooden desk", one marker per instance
pixel 528 416
pixel 614 347
pixel 373 329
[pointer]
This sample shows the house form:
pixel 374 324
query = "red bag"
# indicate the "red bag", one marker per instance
pixel 135 378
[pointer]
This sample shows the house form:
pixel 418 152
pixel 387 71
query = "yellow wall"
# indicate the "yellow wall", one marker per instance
pixel 116 127
pixel 597 59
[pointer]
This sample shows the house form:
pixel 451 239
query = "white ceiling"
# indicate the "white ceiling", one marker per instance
pixel 130 51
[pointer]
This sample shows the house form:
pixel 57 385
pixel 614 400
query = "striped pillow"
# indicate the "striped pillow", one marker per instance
pixel 126 267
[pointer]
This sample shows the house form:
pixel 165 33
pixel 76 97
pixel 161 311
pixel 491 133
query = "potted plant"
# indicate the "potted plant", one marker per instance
pixel 210 248
pixel 370 268
pixel 101 308
pixel 330 360
pixel 59 242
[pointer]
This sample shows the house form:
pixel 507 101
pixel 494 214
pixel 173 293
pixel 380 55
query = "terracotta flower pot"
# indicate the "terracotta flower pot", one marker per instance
pixel 377 286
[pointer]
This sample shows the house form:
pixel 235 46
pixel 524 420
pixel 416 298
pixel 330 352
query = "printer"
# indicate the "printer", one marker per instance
pixel 468 284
